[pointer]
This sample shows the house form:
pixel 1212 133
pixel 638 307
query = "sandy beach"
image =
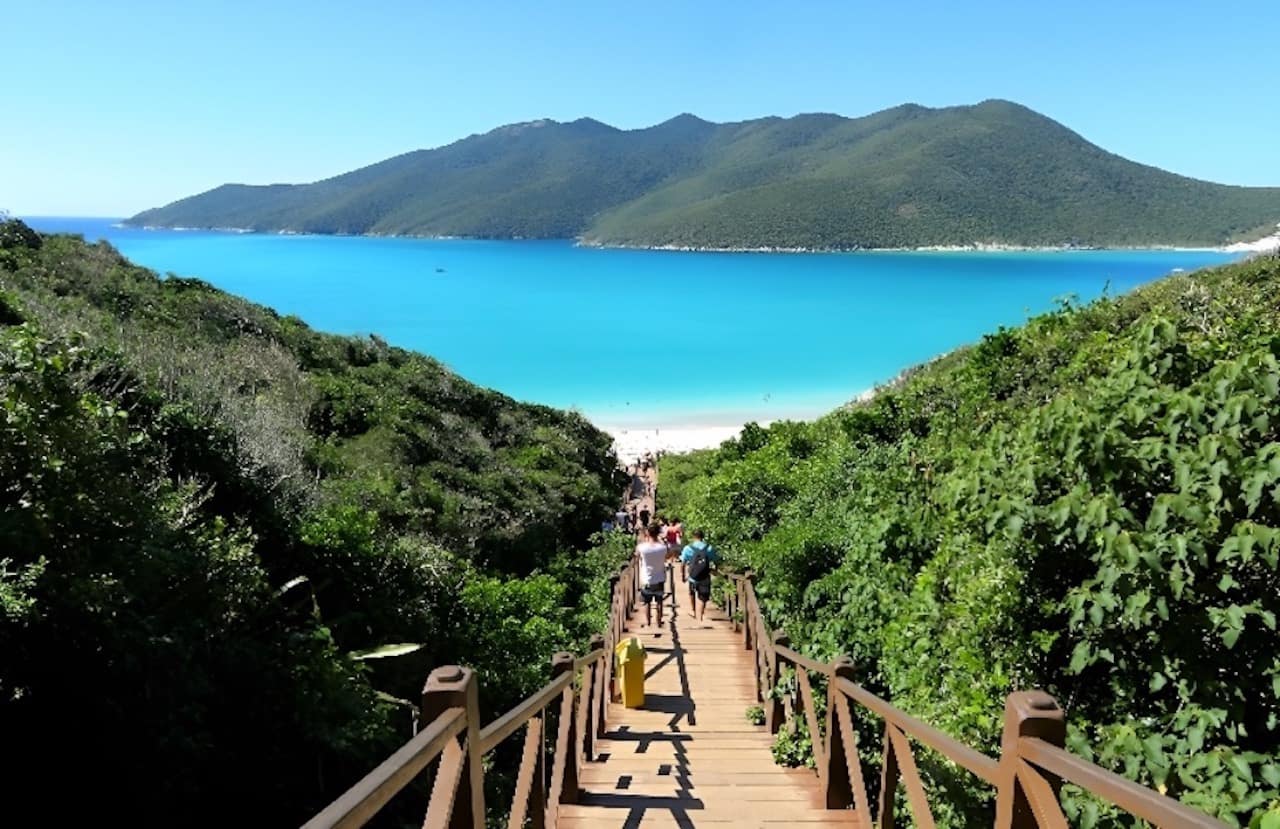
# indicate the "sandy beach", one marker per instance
pixel 1267 244
pixel 632 442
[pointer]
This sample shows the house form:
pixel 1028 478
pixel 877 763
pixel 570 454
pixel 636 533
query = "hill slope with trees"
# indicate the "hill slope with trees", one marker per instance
pixel 911 176
pixel 213 518
pixel 1087 504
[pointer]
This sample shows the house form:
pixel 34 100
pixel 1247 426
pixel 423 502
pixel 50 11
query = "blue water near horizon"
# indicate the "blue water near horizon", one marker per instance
pixel 640 337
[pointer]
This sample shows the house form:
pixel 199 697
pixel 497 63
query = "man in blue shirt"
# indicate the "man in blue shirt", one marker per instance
pixel 696 559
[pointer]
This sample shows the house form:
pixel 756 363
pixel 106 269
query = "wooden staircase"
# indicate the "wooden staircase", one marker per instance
pixel 690 757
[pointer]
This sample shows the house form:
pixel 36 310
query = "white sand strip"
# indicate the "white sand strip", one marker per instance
pixel 1264 245
pixel 631 442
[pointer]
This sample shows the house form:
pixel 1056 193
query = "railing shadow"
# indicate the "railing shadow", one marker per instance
pixel 683 669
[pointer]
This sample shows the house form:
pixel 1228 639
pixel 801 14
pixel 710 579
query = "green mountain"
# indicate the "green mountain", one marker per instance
pixel 995 172
pixel 1087 504
pixel 209 511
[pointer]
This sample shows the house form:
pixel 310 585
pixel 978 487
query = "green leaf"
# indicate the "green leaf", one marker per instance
pixel 290 584
pixel 1154 748
pixel 1080 657
pixel 1195 738
pixel 385 651
pixel 1240 768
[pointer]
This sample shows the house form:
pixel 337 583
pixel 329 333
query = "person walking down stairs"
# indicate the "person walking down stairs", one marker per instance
pixel 696 560
pixel 652 555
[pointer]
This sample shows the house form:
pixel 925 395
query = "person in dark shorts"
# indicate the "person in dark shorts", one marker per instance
pixel 697 559
pixel 651 556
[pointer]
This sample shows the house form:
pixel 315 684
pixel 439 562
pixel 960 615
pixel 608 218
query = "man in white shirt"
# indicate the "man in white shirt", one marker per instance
pixel 652 556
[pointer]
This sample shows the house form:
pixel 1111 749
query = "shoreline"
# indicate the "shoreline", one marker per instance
pixel 1265 244
pixel 688 431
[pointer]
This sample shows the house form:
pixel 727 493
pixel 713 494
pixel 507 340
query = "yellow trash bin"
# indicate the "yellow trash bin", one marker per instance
pixel 630 656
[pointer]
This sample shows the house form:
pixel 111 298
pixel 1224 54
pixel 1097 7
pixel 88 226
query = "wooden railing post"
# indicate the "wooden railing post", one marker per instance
pixel 1026 714
pixel 591 680
pixel 748 589
pixel 448 687
pixel 839 758
pixel 564 774
pixel 774 713
pixel 600 703
pixel 628 575
pixel 889 776
pixel 624 584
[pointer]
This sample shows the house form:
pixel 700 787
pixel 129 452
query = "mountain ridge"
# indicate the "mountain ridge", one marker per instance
pixel 995 172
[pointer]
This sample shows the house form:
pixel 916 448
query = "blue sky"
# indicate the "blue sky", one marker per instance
pixel 110 108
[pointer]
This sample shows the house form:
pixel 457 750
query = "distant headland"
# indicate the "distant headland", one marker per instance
pixel 990 175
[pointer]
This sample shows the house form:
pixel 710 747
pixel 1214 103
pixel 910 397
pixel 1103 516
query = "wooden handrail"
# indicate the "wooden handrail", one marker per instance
pixel 364 799
pixel 1134 798
pixel 444 794
pixel 1027 776
pixel 450 707
pixel 957 752
pixel 803 661
pixel 596 652
pixel 511 722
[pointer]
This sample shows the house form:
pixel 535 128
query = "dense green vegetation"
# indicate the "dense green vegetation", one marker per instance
pixel 210 515
pixel 910 176
pixel 1088 504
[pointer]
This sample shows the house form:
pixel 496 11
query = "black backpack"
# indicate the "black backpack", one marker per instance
pixel 700 566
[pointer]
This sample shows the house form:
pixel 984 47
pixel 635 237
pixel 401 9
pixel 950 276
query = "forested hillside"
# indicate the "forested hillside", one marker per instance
pixel 910 176
pixel 213 519
pixel 1088 504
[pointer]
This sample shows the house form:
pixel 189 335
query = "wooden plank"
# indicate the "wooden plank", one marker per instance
pixel 619 805
pixel 911 777
pixel 715 793
pixel 666 820
pixel 592 778
pixel 861 805
pixel 528 778
pixel 440 807
pixel 810 715
pixel 1041 797
pixel 888 782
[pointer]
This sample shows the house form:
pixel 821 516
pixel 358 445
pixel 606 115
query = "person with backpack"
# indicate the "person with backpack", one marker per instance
pixel 697 559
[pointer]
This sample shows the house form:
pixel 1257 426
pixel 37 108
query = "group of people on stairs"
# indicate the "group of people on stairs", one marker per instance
pixel 659 542
pixel 657 545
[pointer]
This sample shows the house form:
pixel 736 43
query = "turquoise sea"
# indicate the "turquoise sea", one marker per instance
pixel 644 338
